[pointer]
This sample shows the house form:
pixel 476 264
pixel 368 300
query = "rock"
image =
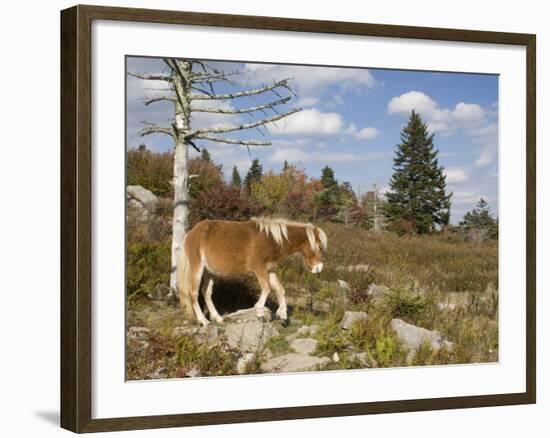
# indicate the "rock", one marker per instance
pixel 304 346
pixel 307 330
pixel 141 198
pixel 138 332
pixel 344 285
pixel 320 306
pixel 243 362
pixel 351 318
pixel 362 358
pixel 414 337
pixel 207 334
pixel 376 291
pixel 294 362
pixel 249 336
pixel 410 357
pixel 353 268
pixel 251 314
pixel 267 354
pixel 446 306
pixel 336 357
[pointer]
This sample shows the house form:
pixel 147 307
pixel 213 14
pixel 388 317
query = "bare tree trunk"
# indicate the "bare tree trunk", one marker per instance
pixel 181 174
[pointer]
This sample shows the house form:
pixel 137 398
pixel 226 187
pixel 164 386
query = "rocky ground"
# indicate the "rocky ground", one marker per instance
pixel 251 341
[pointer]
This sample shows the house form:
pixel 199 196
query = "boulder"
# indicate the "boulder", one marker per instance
pixel 141 198
pixel 377 291
pixel 243 362
pixel 294 362
pixel 336 357
pixel 344 285
pixel 251 314
pixel 413 337
pixel 307 330
pixel 304 345
pixel 351 318
pixel 249 336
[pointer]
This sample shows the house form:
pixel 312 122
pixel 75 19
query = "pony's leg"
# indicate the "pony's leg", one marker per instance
pixel 194 294
pixel 280 291
pixel 207 293
pixel 263 279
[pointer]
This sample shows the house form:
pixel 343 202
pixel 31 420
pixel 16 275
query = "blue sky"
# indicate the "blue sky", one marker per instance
pixel 351 120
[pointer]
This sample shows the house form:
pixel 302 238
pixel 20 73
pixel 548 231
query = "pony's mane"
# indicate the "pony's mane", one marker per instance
pixel 278 229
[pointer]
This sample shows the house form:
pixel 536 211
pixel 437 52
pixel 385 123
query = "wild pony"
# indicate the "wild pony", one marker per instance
pixel 227 248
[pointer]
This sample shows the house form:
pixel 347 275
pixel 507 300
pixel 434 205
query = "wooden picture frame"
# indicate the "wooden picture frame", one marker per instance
pixel 76 217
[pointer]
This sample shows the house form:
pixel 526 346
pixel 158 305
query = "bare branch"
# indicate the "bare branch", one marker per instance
pixel 233 128
pixel 279 84
pixel 148 102
pixel 151 128
pixel 150 77
pixel 233 141
pixel 243 110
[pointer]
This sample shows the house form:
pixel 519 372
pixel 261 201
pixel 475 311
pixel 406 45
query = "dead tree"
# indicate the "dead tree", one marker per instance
pixel 189 81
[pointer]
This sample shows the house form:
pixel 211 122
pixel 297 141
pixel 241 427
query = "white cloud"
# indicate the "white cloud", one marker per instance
pixel 444 120
pixel 416 100
pixel 367 133
pixel 487 137
pixel 309 122
pixel 309 80
pixel 456 175
pixel 307 101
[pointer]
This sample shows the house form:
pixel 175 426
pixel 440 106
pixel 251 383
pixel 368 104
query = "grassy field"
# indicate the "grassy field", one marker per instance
pixel 439 282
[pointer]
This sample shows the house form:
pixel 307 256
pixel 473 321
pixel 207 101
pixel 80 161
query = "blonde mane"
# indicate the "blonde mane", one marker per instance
pixel 277 228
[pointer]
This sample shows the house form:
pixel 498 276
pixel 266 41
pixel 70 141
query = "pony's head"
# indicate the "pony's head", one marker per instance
pixel 313 248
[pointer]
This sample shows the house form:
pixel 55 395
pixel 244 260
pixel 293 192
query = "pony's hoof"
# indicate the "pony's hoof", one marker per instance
pixel 285 322
pixel 218 319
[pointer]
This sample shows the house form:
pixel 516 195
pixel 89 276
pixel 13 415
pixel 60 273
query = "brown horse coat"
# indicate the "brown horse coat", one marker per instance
pixel 227 248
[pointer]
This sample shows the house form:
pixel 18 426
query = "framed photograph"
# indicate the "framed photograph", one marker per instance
pixel 268 218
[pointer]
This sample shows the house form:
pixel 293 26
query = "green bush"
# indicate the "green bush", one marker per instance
pixel 148 264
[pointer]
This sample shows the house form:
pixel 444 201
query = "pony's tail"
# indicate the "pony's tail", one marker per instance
pixel 184 284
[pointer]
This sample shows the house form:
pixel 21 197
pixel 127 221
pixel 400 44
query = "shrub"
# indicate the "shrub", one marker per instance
pixel 151 170
pixel 148 264
pixel 408 306
pixel 222 202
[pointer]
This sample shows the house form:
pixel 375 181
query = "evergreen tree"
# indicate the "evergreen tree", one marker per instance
pixel 236 178
pixel 418 183
pixel 327 178
pixel 285 166
pixel 328 200
pixel 479 223
pixel 254 174
pixel 205 155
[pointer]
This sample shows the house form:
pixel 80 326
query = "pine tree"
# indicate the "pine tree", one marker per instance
pixel 236 178
pixel 327 178
pixel 328 200
pixel 418 183
pixel 479 224
pixel 205 155
pixel 254 174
